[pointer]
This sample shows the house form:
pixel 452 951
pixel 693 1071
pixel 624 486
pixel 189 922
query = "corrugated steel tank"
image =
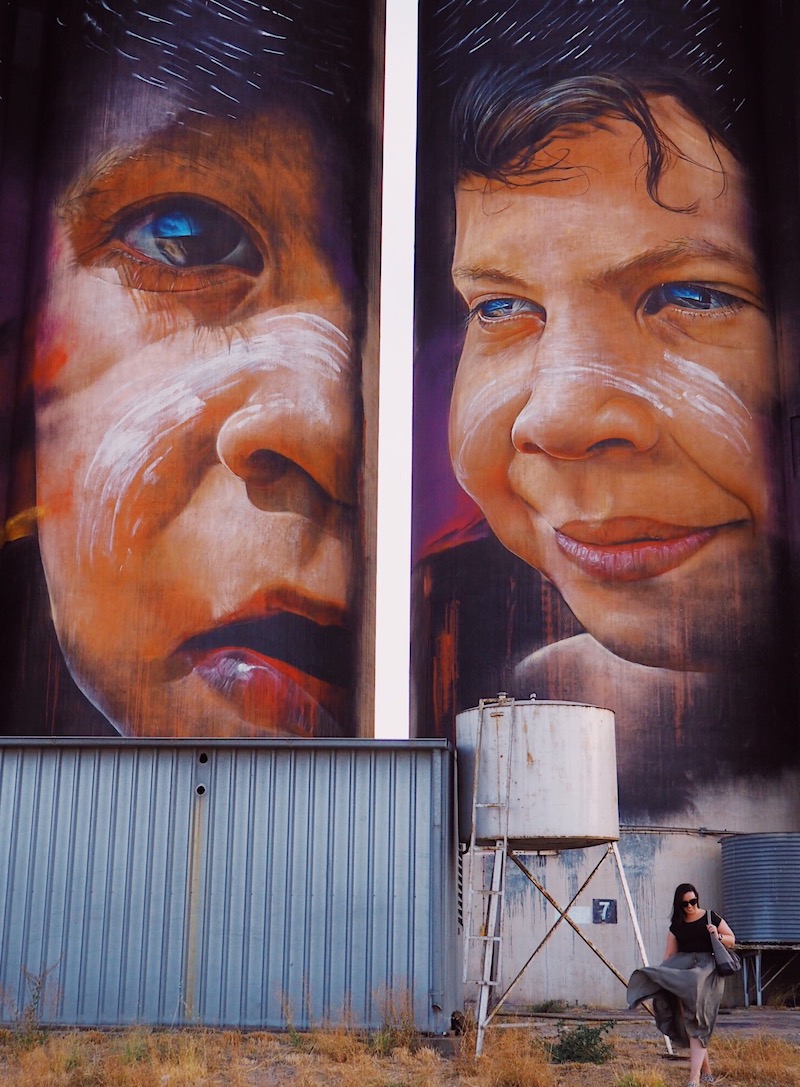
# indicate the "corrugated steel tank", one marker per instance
pixel 563 777
pixel 229 883
pixel 761 886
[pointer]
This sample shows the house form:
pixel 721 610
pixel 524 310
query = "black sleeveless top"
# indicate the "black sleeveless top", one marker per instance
pixel 693 935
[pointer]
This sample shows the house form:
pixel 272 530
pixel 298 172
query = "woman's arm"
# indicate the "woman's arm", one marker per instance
pixel 672 946
pixel 724 932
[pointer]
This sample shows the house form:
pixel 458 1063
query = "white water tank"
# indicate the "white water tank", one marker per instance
pixel 562 783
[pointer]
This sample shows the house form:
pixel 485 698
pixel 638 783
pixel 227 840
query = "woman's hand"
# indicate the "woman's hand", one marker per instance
pixel 722 933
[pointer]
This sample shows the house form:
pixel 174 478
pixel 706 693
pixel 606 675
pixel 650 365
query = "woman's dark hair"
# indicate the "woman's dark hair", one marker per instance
pixel 680 891
pixel 503 119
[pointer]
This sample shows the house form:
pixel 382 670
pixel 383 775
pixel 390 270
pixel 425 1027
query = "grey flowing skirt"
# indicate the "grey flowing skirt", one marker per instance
pixel 686 991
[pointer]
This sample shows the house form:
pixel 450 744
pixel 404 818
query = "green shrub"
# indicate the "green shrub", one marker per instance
pixel 581 1044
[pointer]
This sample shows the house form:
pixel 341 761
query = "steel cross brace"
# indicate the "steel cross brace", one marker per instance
pixel 611 850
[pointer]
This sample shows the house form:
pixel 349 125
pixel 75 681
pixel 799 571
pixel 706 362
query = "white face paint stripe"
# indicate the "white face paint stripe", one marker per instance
pixel 710 395
pixel 693 387
pixel 127 458
pixel 490 399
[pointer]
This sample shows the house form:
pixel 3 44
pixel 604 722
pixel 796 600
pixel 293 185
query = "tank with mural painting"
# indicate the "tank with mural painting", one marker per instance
pixel 600 493
pixel 188 541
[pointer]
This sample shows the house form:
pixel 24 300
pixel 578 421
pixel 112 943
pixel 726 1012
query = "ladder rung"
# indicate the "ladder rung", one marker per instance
pixel 486 939
pixel 491 804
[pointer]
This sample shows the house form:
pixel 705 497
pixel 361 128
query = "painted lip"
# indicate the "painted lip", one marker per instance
pixel 633 548
pixel 283 672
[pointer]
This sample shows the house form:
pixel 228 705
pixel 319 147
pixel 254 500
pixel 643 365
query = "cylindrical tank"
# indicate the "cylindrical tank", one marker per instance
pixel 562 780
pixel 761 887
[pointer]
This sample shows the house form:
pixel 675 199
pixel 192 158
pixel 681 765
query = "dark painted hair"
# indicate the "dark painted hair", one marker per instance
pixel 680 891
pixel 226 56
pixel 502 119
pixel 229 61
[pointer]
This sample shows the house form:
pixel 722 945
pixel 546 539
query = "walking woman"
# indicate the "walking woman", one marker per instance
pixel 686 988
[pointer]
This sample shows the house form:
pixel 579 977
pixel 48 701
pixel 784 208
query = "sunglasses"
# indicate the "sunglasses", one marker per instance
pixel 687 902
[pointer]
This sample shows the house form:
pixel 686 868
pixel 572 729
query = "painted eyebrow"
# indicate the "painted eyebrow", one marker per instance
pixel 493 275
pixel 664 258
pixel 661 259
pixel 111 167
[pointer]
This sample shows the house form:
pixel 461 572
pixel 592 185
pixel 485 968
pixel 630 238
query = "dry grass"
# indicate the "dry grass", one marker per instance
pixel 337 1044
pixel 342 1057
pixel 764 1061
pixel 511 1058
pixel 783 996
pixel 423 1068
pixel 640 1077
pixel 133 1058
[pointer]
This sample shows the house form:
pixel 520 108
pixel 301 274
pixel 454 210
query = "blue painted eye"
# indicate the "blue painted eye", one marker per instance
pixel 689 296
pixel 497 309
pixel 185 232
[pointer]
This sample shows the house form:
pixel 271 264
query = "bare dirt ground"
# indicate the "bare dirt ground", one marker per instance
pixel 755 1047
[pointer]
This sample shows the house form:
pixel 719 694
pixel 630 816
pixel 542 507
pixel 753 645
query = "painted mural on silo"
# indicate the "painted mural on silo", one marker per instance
pixel 188 539
pixel 601 410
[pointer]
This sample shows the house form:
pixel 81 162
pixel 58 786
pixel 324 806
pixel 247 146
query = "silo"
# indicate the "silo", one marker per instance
pixel 761 887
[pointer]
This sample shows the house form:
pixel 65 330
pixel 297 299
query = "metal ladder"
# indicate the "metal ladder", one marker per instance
pixel 491 933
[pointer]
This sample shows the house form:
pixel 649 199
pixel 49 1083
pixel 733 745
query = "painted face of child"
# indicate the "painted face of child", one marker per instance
pixel 198 436
pixel 610 411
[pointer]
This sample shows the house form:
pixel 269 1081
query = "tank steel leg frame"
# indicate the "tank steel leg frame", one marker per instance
pixel 762 978
pixel 485 1017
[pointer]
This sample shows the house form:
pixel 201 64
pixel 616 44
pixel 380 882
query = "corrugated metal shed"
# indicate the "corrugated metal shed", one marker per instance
pixel 227 882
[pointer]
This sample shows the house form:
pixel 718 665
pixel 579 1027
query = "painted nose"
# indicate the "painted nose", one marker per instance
pixel 578 410
pixel 295 434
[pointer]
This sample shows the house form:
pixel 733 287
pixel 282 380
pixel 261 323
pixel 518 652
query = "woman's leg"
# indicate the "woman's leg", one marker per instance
pixel 697 1059
pixel 705 1068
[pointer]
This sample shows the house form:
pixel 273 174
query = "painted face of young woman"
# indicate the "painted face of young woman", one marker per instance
pixel 612 402
pixel 198 436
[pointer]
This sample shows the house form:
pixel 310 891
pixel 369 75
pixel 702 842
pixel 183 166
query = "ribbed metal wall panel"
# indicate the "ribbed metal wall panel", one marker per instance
pixel 761 886
pixel 229 883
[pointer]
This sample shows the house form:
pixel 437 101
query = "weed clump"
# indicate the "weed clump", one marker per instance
pixel 581 1044
pixel 339 1045
pixel 548 1007
pixel 643 1078
pixel 29 1020
pixel 510 1058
